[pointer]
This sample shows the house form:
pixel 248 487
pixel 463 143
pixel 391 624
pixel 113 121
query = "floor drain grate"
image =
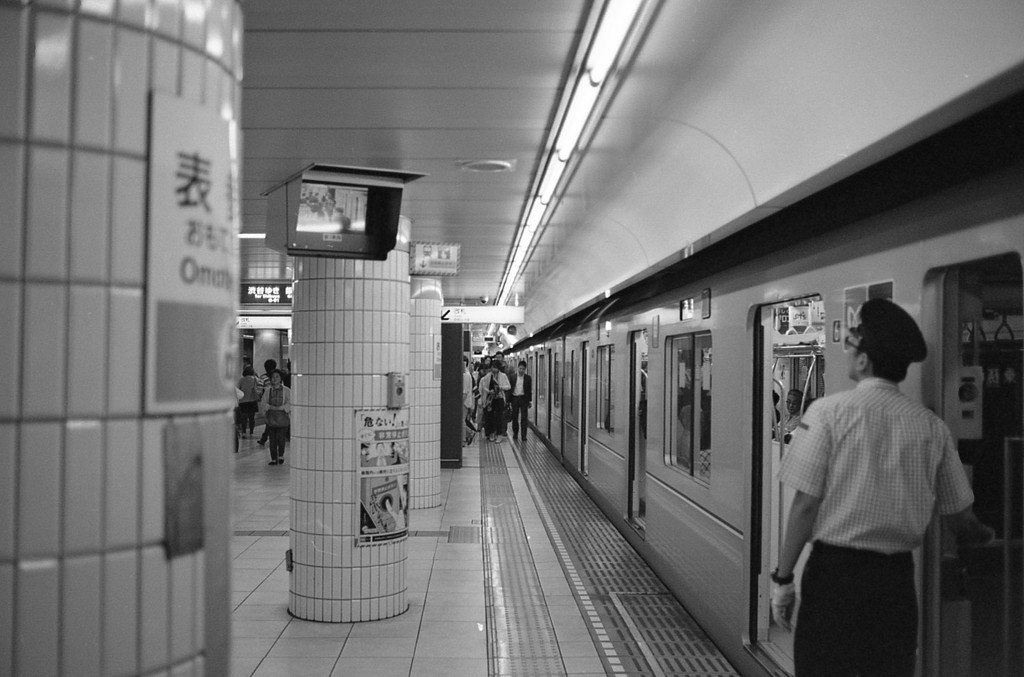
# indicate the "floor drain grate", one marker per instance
pixel 464 534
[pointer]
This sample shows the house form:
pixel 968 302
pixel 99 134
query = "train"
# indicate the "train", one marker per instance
pixel 665 399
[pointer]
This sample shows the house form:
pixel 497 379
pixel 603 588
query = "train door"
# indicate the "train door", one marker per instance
pixel 570 427
pixel 540 386
pixel 974 597
pixel 637 489
pixel 789 374
pixel 531 367
pixel 557 378
pixel 584 413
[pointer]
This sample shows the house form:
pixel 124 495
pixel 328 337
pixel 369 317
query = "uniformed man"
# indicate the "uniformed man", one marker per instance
pixel 869 467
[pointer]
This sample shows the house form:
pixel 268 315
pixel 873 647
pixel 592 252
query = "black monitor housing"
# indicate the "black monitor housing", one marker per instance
pixel 336 211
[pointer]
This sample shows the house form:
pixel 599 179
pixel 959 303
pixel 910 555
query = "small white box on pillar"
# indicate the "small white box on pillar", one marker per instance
pixel 396 390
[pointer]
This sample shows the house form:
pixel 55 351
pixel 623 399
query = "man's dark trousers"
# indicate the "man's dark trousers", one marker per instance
pixel 520 414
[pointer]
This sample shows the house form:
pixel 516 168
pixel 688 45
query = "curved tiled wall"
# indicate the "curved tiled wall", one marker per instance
pixel 85 585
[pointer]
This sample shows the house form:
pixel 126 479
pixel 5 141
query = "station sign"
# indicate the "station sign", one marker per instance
pixel 483 314
pixel 266 293
pixel 434 258
pixel 191 269
pixel 264 322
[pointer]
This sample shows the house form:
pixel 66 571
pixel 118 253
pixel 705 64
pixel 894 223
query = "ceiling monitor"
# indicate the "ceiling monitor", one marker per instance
pixel 336 211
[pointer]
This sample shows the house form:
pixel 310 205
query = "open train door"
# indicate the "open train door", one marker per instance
pixel 789 365
pixel 973 598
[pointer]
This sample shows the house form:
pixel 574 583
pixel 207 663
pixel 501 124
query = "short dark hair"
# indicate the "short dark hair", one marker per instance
pixel 522 363
pixel 270 365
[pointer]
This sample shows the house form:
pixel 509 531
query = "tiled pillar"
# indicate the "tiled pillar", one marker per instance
pixel 86 586
pixel 425 394
pixel 350 328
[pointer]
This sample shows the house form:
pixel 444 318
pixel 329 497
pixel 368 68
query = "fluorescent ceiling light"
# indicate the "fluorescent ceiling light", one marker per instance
pixel 535 215
pixel 553 172
pixel 617 19
pixel 252 236
pixel 580 107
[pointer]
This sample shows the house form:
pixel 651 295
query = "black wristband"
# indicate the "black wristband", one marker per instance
pixel 781 580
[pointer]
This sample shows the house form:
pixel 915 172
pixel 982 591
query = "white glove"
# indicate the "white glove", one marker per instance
pixel 783 601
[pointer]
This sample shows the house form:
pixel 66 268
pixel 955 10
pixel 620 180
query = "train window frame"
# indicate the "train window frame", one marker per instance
pixel 698 346
pixel 556 379
pixel 605 402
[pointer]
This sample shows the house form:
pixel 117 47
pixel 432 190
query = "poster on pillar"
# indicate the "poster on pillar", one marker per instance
pixel 191 287
pixel 382 436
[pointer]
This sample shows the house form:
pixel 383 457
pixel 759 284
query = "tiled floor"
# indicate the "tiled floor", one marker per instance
pixel 499 583
pixel 442 633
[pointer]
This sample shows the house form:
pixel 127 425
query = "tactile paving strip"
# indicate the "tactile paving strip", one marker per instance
pixel 649 632
pixel 520 635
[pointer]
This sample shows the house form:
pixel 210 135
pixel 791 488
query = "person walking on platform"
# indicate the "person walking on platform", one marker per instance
pixel 493 388
pixel 249 403
pixel 522 396
pixel 869 467
pixel 269 367
pixel 277 405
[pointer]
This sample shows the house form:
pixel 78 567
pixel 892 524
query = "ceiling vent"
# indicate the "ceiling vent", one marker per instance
pixel 491 166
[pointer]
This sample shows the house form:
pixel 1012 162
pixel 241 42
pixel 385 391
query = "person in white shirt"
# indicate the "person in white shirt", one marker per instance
pixel 869 466
pixel 494 387
pixel 522 396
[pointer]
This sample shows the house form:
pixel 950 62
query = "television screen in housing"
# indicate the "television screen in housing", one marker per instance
pixel 335 211
pixel 331 209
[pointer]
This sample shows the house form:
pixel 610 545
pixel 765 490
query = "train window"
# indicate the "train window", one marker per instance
pixel 556 382
pixel 689 362
pixel 570 390
pixel 605 388
pixel 541 382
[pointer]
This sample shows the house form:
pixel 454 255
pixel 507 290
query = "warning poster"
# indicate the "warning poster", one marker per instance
pixel 382 437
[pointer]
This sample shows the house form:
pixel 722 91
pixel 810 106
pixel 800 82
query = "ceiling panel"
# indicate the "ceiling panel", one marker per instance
pixel 368 108
pixel 414 15
pixel 415 60
pixel 421 86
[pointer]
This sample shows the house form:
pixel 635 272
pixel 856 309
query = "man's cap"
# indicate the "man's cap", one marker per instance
pixel 889 333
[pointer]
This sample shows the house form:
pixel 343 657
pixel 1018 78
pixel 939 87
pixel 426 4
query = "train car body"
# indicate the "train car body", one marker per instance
pixel 662 408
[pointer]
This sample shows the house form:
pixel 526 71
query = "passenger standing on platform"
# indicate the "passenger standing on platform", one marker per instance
pixel 277 406
pixel 481 398
pixel 522 396
pixel 493 388
pixel 269 366
pixel 249 403
pixel 869 467
pixel 468 402
pixel 286 377
pixel 499 358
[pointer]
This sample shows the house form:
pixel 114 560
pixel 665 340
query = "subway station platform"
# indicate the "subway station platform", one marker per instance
pixel 515 573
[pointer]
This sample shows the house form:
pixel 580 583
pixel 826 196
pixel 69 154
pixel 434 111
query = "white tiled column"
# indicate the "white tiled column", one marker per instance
pixel 425 394
pixel 85 585
pixel 350 328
